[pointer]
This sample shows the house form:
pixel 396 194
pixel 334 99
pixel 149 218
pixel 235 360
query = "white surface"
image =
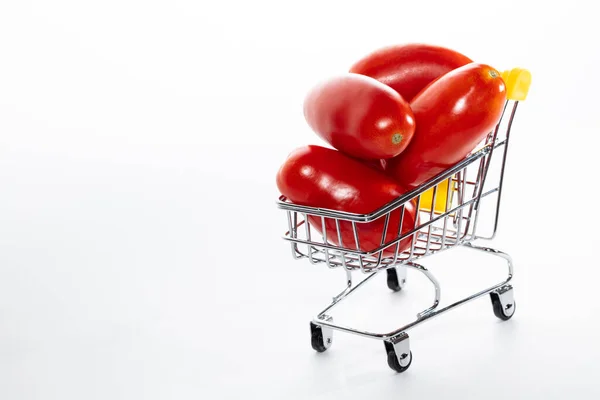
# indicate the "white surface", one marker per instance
pixel 131 134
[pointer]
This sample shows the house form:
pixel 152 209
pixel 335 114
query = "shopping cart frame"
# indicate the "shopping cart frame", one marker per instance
pixel 437 230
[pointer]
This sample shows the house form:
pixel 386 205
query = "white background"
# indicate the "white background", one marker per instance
pixel 140 250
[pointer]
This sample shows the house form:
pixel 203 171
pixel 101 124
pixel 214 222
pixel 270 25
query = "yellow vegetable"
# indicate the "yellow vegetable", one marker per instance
pixel 517 82
pixel 440 198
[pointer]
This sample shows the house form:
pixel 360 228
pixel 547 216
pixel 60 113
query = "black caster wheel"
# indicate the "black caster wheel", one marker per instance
pixel 394 364
pixel 503 312
pixel 392 280
pixel 397 346
pixel 316 338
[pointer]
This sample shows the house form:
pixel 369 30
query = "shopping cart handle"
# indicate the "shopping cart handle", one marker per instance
pixel 517 83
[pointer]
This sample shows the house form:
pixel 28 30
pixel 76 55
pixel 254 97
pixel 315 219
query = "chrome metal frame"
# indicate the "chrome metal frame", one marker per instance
pixel 434 231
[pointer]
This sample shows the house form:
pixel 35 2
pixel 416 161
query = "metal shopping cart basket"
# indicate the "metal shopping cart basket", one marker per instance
pixel 449 213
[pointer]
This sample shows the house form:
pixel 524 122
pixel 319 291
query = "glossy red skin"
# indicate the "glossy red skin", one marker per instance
pixel 454 114
pixel 409 68
pixel 377 164
pixel 320 177
pixel 360 116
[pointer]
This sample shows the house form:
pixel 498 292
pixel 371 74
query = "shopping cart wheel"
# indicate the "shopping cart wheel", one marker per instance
pixel 394 363
pixel 395 282
pixel 320 337
pixel 503 303
pixel 399 356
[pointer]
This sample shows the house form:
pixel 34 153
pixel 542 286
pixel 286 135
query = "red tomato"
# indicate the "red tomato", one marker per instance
pixel 453 114
pixel 409 68
pixel 320 177
pixel 360 116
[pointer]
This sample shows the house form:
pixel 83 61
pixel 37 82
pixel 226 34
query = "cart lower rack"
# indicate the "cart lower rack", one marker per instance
pixel 449 216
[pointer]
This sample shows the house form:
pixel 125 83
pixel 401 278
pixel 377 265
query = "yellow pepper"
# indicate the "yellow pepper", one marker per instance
pixel 440 198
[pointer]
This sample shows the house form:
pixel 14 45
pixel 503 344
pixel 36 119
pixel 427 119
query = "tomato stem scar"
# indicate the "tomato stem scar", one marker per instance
pixel 397 138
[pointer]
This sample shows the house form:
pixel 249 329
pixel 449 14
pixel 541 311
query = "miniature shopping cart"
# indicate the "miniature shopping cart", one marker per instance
pixel 449 214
